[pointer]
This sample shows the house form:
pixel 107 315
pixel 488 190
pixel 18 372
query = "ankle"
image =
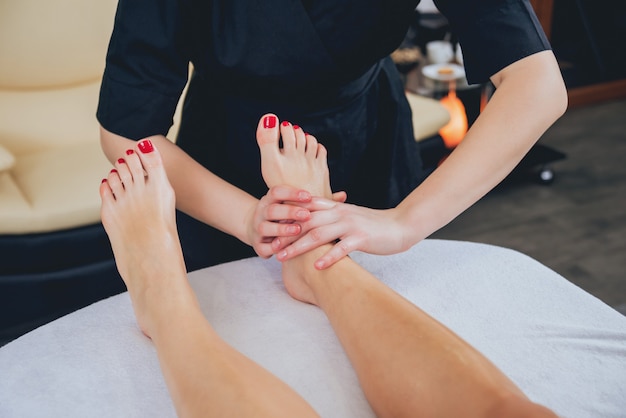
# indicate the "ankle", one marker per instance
pixel 322 284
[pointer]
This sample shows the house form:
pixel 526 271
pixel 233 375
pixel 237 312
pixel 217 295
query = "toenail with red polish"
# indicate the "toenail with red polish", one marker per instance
pixel 285 123
pixel 269 122
pixel 146 146
pixel 296 127
pixel 121 161
pixel 129 152
pixel 103 181
pixel 113 170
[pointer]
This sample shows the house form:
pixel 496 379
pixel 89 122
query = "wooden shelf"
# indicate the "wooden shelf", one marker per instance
pixel 596 93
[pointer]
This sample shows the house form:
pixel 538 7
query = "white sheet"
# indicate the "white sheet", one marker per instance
pixel 563 347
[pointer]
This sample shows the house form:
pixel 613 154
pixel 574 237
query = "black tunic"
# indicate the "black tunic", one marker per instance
pixel 321 64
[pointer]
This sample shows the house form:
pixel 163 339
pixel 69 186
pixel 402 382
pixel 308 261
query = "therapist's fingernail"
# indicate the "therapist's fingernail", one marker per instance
pixel 320 264
pixel 304 195
pixel 302 214
pixel 269 122
pixel 293 229
pixel 145 146
pixel 281 255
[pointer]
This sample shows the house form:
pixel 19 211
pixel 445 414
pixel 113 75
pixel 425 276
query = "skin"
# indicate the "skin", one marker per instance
pixel 205 376
pixel 408 364
pixel 530 96
pixel 432 372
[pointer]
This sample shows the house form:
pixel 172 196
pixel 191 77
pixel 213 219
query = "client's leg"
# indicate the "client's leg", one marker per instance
pixel 408 363
pixel 205 376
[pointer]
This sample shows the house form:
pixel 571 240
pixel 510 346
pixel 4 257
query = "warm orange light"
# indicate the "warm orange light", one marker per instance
pixel 454 132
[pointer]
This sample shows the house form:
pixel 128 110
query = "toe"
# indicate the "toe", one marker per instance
pixel 300 138
pixel 150 158
pixel 322 154
pixel 123 171
pixel 311 145
pixel 134 166
pixel 105 191
pixel 267 131
pixel 115 183
pixel 288 136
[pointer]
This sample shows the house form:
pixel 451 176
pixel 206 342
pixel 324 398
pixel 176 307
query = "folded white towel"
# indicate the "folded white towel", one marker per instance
pixel 562 346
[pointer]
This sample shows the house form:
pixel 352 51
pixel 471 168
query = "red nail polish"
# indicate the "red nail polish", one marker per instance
pixel 269 122
pixel 296 127
pixel 146 146
pixel 103 181
pixel 129 152
pixel 113 170
pixel 285 123
pixel 121 161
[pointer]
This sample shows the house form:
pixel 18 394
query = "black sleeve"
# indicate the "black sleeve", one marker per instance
pixel 493 33
pixel 146 69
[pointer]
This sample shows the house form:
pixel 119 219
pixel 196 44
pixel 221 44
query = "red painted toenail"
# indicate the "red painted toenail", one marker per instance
pixel 296 127
pixel 103 181
pixel 113 170
pixel 285 123
pixel 145 146
pixel 121 161
pixel 269 122
pixel 129 152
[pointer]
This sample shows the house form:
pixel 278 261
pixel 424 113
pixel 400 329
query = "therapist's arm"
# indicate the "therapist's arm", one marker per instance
pixel 530 96
pixel 206 197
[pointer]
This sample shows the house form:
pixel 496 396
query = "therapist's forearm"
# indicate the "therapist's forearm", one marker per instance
pixel 530 96
pixel 199 193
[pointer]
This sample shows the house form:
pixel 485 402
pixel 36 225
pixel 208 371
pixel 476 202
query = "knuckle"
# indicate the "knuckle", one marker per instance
pixel 315 235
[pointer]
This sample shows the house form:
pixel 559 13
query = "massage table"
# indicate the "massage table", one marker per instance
pixel 563 347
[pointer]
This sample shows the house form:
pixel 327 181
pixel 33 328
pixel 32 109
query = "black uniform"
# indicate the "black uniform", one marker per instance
pixel 321 64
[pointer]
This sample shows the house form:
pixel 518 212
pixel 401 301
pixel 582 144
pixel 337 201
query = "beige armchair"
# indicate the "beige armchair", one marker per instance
pixel 54 253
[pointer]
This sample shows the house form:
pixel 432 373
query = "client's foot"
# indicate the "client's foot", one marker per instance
pixel 300 163
pixel 138 214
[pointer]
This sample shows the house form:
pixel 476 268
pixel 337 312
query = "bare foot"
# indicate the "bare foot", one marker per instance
pixel 301 162
pixel 138 214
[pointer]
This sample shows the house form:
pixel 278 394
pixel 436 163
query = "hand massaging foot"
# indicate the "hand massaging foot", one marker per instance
pixel 301 162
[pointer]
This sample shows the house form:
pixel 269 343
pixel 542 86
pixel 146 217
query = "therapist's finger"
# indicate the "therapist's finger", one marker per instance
pixel 312 239
pixel 339 251
pixel 285 212
pixel 264 250
pixel 340 197
pixel 276 229
pixel 284 193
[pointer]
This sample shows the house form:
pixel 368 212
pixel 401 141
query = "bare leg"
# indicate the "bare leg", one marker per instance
pixel 408 364
pixel 205 376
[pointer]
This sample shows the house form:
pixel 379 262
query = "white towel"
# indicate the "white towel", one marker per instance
pixel 563 347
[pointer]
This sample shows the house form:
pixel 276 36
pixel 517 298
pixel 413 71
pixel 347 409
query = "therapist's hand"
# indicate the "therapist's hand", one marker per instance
pixel 357 229
pixel 273 217
pixel 279 216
